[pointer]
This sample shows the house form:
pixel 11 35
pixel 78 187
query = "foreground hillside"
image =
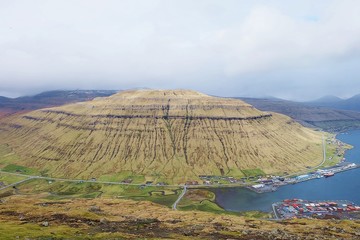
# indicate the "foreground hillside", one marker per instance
pixel 159 135
pixel 30 217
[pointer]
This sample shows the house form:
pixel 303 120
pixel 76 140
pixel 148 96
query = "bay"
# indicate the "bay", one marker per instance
pixel 342 186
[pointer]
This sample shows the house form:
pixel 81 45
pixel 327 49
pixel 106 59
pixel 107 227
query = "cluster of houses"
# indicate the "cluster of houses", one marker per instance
pixel 298 208
pixel 212 179
pixel 340 147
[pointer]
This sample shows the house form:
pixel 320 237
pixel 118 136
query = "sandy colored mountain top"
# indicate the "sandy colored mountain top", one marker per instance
pixel 170 135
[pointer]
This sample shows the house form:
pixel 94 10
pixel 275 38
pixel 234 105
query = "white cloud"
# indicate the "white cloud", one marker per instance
pixel 188 44
pixel 269 38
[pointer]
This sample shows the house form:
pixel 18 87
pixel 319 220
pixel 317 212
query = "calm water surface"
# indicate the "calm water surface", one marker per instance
pixel 343 186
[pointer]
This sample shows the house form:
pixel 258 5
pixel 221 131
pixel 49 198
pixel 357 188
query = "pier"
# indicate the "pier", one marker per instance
pixel 271 185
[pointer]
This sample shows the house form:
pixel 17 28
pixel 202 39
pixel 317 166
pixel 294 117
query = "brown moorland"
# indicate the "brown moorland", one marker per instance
pixel 31 217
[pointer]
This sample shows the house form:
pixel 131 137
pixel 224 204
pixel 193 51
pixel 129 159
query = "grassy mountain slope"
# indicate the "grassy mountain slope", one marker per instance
pixel 30 217
pixel 161 135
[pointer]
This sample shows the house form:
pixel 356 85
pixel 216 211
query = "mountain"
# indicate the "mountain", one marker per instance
pixel 352 103
pixel 328 99
pixel 309 115
pixel 162 135
pixel 48 99
pixel 4 99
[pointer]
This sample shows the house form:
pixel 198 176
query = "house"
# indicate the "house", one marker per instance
pixel 127 181
pixel 161 184
pixel 192 183
pixel 257 186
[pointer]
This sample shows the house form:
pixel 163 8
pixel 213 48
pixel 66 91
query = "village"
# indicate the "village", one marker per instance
pixel 298 208
pixel 261 184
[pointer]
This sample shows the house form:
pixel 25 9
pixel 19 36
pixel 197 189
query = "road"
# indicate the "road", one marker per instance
pixel 316 167
pixel 93 181
pixel 276 216
pixel 324 152
pixel 80 180
pixel 14 184
pixel 179 198
pixel 140 184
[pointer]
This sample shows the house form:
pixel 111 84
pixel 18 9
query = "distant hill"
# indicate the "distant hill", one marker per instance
pixel 4 99
pixel 49 99
pixel 352 103
pixel 328 99
pixel 309 115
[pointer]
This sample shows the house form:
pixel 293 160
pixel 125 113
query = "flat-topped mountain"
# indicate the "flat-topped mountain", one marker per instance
pixel 162 135
pixel 164 104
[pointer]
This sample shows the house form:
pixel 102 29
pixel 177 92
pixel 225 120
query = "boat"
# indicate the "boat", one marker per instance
pixel 329 174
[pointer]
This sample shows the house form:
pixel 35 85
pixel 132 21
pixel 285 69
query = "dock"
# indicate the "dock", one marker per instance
pixel 271 185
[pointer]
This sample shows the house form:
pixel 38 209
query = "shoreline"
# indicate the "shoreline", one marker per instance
pixel 349 145
pixel 190 187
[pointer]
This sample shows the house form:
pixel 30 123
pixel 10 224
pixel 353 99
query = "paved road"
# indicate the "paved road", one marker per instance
pixel 324 152
pixel 316 167
pixel 276 216
pixel 140 184
pixel 179 198
pixel 82 180
pixel 14 184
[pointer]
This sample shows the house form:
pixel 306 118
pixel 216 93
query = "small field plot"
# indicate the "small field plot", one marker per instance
pixel 57 190
pixel 6 179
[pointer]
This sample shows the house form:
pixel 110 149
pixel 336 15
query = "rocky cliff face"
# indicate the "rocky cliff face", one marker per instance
pixel 175 135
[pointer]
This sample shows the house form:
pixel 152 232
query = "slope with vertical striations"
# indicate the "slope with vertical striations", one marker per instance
pixel 170 134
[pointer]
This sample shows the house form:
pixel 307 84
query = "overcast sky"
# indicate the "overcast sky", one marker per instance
pixel 290 49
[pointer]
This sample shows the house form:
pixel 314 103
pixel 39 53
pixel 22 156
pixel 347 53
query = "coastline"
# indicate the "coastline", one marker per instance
pixel 338 187
pixel 207 203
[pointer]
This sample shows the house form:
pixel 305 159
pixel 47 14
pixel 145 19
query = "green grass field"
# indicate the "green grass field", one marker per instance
pixel 35 231
pixel 58 190
pixel 122 176
pixel 202 200
pixel 13 168
pixel 331 157
pixel 253 172
pixel 9 179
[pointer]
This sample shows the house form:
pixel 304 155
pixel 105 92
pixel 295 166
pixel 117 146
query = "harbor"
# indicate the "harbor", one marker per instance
pixel 343 184
pixel 325 209
pixel 273 183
